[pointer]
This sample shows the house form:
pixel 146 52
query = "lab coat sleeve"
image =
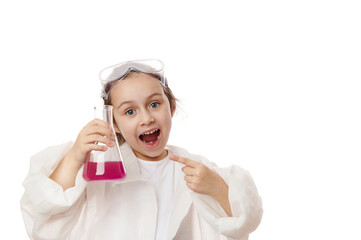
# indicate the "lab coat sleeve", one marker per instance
pixel 246 204
pixel 48 211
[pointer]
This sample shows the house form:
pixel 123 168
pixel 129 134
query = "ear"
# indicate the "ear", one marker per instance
pixel 172 113
pixel 116 129
pixel 172 110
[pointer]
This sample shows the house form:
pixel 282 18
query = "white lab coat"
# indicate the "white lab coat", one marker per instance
pixel 127 209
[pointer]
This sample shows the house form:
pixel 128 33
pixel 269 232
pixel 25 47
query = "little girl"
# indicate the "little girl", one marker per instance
pixel 168 193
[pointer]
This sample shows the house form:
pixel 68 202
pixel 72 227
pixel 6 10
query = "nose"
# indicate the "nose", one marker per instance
pixel 146 118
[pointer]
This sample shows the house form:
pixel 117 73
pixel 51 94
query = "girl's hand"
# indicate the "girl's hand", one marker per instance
pixel 199 178
pixel 96 131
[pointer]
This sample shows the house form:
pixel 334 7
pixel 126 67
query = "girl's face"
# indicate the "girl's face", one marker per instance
pixel 142 115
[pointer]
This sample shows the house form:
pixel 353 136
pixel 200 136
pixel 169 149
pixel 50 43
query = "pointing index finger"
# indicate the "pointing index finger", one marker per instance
pixel 183 160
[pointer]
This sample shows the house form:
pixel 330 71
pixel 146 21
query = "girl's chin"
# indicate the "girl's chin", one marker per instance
pixel 151 156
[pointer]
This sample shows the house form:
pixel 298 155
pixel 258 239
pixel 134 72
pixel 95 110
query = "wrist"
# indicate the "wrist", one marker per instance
pixel 66 171
pixel 71 161
pixel 221 196
pixel 221 192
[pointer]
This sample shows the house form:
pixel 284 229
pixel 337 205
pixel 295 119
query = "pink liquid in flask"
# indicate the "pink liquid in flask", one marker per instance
pixel 112 170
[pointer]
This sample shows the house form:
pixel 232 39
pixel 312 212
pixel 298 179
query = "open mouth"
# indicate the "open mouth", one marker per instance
pixel 150 137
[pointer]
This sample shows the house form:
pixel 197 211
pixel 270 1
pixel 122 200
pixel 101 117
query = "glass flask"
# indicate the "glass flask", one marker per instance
pixel 108 165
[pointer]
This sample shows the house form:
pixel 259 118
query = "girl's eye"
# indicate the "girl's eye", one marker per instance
pixel 154 104
pixel 129 112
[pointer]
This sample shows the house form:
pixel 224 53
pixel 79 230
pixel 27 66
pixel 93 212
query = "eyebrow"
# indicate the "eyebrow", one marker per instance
pixel 149 97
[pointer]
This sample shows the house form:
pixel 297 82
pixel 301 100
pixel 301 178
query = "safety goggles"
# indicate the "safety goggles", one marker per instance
pixel 117 72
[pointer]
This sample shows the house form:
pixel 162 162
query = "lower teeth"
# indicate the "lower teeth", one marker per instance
pixel 151 142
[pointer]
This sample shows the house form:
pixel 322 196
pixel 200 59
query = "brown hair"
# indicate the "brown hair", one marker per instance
pixel 167 91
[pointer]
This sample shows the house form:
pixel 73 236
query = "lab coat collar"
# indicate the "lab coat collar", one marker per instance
pixel 181 204
pixel 181 199
pixel 131 165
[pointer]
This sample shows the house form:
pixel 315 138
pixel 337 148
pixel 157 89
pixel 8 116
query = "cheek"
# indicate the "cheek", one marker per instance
pixel 124 126
pixel 166 119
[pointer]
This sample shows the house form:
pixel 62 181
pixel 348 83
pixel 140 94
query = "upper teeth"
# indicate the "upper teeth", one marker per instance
pixel 147 133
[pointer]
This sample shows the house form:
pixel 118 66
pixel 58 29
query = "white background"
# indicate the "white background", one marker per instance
pixel 272 86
